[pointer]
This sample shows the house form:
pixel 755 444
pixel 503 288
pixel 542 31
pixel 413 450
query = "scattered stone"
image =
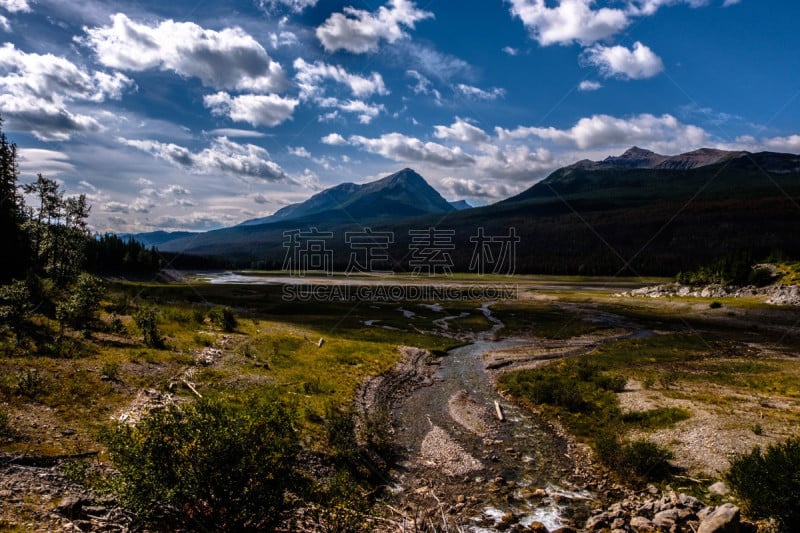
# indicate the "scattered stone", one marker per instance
pixel 665 519
pixel 538 527
pixel 725 519
pixel 642 524
pixel 719 489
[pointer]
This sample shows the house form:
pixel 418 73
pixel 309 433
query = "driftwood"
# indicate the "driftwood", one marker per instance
pixel 321 342
pixel 191 387
pixel 500 416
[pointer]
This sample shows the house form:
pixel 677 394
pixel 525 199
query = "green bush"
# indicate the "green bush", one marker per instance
pixel 768 482
pixel 29 383
pixel 646 459
pixel 213 464
pixel 224 318
pixel 78 310
pixel 147 322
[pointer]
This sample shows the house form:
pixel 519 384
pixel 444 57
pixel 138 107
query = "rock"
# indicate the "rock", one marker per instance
pixel 596 523
pixel 705 512
pixel 690 502
pixel 564 529
pixel 460 498
pixel 665 519
pixel 719 488
pixel 71 506
pixel 618 523
pixel 641 524
pixel 725 519
pixel 537 527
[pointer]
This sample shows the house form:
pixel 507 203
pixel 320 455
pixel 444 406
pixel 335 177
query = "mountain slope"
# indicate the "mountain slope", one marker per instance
pixel 404 193
pixel 401 195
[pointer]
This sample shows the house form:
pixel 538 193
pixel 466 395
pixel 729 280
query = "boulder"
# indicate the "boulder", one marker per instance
pixel 641 524
pixel 719 488
pixel 725 519
pixel 665 519
pixel 537 527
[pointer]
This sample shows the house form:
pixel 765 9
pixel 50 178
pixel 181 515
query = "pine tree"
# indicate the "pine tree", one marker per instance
pixel 13 244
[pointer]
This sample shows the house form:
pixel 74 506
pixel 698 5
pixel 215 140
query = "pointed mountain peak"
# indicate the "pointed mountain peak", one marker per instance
pixel 406 175
pixel 637 153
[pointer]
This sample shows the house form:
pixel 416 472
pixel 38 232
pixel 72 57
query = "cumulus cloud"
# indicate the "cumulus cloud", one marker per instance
pixel 297 6
pixel 479 94
pixel 300 151
pixel 784 144
pixel 617 61
pixel 360 31
pixel 510 50
pixel 461 131
pixel 5 25
pixel 15 6
pixel 334 139
pixel 663 131
pixel 227 59
pixel 223 156
pixel 366 112
pixel 649 7
pixel 470 188
pixel 588 85
pixel 257 109
pixel 36 90
pixel 310 76
pixel 399 147
pixel 569 21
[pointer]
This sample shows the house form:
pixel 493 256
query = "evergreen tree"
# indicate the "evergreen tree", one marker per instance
pixel 12 239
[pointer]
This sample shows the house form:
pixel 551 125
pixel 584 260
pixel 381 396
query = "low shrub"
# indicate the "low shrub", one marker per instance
pixel 768 482
pixel 212 464
pixel 646 459
pixel 224 318
pixel 147 322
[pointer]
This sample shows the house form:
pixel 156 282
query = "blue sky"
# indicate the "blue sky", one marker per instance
pixel 200 114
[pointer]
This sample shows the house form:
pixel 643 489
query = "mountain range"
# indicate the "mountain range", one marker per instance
pixel 637 213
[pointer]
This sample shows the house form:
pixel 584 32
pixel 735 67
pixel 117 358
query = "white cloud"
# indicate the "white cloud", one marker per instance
pixel 649 7
pixel 461 131
pixel 424 86
pixel 48 162
pixel 300 151
pixel 234 132
pixel 298 6
pixel 4 24
pixel 470 188
pixel 283 38
pixel 569 21
pixel 360 31
pixel 56 79
pixel 665 133
pixel 227 59
pixel 257 109
pixel 15 6
pixel 510 50
pixel 589 85
pixel 45 120
pixel 334 139
pixel 223 156
pixel 366 112
pixel 618 61
pixel 399 147
pixel 310 77
pixel 784 144
pixel 729 3
pixel 479 94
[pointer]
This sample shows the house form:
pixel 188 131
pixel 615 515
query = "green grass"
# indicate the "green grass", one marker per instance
pixel 659 418
pixel 542 321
